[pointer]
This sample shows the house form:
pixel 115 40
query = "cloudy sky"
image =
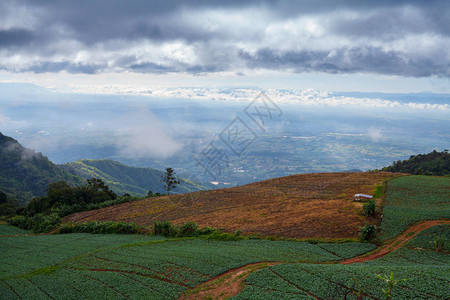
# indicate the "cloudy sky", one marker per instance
pixel 384 46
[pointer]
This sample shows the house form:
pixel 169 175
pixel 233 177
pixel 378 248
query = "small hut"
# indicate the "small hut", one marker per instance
pixel 361 197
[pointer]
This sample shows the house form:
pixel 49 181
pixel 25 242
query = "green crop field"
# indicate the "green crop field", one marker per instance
pixel 413 198
pixel 427 273
pixel 70 266
pixel 10 230
pixel 115 266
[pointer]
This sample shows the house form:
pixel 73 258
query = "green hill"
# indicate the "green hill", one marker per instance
pixel 125 179
pixel 433 163
pixel 25 174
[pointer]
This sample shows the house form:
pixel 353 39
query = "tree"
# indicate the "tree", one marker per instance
pixel 369 208
pixel 368 232
pixel 169 180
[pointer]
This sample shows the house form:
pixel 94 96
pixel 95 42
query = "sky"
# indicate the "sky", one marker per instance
pixel 377 46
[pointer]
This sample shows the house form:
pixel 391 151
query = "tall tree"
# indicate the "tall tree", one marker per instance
pixel 169 180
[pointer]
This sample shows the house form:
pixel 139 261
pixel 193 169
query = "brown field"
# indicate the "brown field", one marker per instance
pixel 301 206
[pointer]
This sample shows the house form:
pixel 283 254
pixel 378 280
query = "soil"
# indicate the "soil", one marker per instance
pixel 316 205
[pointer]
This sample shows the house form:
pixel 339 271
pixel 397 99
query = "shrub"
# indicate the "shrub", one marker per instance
pixel 222 236
pixel 369 208
pixel 101 227
pixel 38 223
pixel 164 228
pixel 188 229
pixel 368 232
pixel 439 243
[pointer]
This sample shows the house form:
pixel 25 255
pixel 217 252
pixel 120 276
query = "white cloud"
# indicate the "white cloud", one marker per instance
pixel 140 134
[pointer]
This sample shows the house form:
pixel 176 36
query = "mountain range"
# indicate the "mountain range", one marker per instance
pixel 25 174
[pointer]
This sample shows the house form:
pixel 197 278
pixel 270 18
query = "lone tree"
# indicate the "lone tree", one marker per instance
pixel 169 180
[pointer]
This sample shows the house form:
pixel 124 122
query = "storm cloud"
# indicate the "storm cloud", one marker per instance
pixel 405 38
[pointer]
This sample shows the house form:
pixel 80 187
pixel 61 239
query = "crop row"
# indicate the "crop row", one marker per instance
pixel 427 238
pixel 123 266
pixel 22 254
pixel 9 230
pixel 344 281
pixel 413 198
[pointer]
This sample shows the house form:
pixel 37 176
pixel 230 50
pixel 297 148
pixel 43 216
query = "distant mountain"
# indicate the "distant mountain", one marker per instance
pixel 125 179
pixel 25 174
pixel 433 163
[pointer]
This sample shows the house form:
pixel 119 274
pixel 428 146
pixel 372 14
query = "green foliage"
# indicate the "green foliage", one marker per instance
pixel 426 239
pixel 101 227
pixel 380 190
pixel 433 163
pixel 25 174
pixel 189 229
pixel 369 208
pixel 439 243
pixel 367 233
pixel 414 198
pixel 65 199
pixel 347 250
pixel 390 283
pixel 39 223
pixel 164 228
pixel 12 230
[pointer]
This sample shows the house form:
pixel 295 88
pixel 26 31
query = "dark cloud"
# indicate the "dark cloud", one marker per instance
pixel 52 67
pixel 406 38
pixel 15 37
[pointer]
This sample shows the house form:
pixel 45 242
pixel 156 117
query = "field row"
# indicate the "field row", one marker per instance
pixel 414 198
pixel 133 266
pixel 299 281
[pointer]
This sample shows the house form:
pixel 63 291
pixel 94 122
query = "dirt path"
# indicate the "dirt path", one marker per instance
pixel 397 243
pixel 231 283
pixel 226 285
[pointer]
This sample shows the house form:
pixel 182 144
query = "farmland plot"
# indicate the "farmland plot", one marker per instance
pixel 413 198
pixel 427 273
pixel 74 266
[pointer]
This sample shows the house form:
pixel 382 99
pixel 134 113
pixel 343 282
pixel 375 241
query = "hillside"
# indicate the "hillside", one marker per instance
pixel 304 206
pixel 433 163
pixel 125 179
pixel 25 174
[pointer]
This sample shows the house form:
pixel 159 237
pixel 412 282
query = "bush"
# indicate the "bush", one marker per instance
pixel 188 229
pixel 164 228
pixel 39 223
pixel 368 232
pixel 369 208
pixel 439 243
pixel 101 227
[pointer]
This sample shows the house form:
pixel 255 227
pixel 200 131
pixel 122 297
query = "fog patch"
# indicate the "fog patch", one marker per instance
pixel 142 135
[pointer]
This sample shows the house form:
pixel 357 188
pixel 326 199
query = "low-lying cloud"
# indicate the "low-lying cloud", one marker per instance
pixel 140 134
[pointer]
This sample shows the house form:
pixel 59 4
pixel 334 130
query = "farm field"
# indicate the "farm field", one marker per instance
pixel 302 206
pixel 93 266
pixel 135 266
pixel 413 198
